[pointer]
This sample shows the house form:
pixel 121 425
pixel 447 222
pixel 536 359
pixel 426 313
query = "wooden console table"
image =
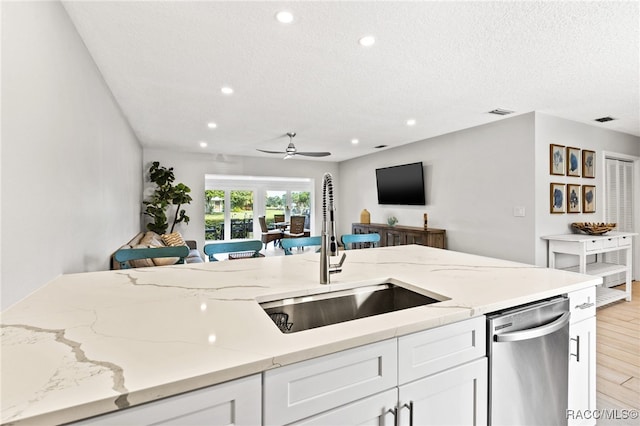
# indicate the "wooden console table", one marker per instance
pixel 584 245
pixel 403 235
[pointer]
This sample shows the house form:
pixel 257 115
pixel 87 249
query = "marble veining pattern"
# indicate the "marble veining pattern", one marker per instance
pixel 96 342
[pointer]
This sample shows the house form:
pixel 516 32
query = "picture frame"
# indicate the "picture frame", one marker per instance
pixel 588 164
pixel 588 199
pixel 557 197
pixel 556 159
pixel 574 195
pixel 574 161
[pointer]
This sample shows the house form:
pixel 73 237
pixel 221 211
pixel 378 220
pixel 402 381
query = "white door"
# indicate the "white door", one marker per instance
pixel 619 207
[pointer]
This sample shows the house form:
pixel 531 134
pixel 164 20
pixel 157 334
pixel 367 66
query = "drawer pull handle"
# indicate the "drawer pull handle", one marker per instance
pixel 394 411
pixel 584 306
pixel 577 354
pixel 410 407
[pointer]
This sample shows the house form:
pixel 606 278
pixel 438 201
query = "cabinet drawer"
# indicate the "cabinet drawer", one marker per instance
pixel 427 352
pixel 592 245
pixel 582 304
pixel 625 241
pixel 310 387
pixel 610 242
pixel 235 402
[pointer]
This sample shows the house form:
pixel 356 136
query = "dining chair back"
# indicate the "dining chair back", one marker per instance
pixel 296 229
pixel 250 247
pixel 289 243
pixel 123 256
pixel 278 218
pixel 268 235
pixel 360 240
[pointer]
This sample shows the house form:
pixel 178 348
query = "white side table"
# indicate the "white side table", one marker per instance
pixel 582 245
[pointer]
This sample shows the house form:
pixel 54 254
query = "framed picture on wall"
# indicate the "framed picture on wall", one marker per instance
pixel 573 161
pixel 588 164
pixel 556 159
pixel 588 199
pixel 557 198
pixel 573 198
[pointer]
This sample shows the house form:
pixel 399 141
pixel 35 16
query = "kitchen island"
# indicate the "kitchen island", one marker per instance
pixel 91 343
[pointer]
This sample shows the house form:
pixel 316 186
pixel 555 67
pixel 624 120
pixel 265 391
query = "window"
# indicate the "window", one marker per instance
pixel 233 202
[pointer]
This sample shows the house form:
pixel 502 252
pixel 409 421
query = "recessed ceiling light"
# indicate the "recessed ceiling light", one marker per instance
pixel 284 17
pixel 411 122
pixel 227 90
pixel 203 144
pixel 212 125
pixel 367 41
pixel 354 141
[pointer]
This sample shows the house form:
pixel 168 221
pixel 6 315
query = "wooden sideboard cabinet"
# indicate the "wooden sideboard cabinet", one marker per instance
pixel 402 235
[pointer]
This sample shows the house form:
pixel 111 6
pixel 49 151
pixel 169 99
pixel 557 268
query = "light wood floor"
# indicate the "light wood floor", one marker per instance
pixel 618 355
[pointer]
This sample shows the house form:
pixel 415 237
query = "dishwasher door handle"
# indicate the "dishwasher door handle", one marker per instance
pixel 533 333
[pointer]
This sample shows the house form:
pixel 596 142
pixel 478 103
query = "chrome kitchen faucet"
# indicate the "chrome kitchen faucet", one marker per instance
pixel 329 246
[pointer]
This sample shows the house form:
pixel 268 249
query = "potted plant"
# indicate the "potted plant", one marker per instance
pixel 166 194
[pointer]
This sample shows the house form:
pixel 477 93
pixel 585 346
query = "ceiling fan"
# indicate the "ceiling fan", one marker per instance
pixel 291 150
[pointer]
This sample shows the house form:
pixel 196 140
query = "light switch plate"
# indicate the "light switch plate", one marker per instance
pixel 518 211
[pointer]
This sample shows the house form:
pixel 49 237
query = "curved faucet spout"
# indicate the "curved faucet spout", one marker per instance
pixel 329 246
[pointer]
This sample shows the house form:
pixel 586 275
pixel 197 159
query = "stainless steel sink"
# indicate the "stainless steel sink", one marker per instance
pixel 311 311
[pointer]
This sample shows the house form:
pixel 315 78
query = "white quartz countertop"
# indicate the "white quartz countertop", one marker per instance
pixel 91 343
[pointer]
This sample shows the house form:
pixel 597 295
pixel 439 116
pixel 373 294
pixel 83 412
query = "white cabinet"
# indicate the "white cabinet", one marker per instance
pixel 457 396
pixel 438 376
pixel 374 410
pixel 309 387
pixel 237 402
pixel 581 245
pixel 582 357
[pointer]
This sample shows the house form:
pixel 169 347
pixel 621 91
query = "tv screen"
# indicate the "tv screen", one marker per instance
pixel 402 184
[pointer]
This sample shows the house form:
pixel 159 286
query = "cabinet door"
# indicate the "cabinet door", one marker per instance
pixel 233 403
pixel 416 238
pixel 359 229
pixel 582 371
pixel 374 410
pixel 393 238
pixel 436 239
pixel 457 396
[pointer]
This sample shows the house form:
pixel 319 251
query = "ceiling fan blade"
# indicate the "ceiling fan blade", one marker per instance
pixel 271 152
pixel 314 154
pixel 286 157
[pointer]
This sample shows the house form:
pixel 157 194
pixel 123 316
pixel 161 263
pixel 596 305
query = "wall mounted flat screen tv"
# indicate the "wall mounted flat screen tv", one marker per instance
pixel 403 184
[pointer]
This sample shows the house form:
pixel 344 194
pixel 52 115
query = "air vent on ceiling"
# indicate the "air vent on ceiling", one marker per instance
pixel 605 119
pixel 500 111
pixel 380 146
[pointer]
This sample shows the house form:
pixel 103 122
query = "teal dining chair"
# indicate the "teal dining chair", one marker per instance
pixel 123 256
pixel 363 240
pixel 236 249
pixel 289 243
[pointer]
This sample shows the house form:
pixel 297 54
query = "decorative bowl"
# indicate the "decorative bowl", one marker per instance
pixel 593 228
pixel 392 220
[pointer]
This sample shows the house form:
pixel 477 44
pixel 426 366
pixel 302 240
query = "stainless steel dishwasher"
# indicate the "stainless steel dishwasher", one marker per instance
pixel 529 363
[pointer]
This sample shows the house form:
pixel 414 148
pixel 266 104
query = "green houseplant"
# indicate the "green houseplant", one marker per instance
pixel 165 195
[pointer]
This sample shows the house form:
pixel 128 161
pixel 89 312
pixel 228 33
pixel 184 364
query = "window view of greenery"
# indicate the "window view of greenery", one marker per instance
pixel 242 210
pixel 241 214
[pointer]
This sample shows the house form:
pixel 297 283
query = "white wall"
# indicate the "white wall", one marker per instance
pixel 191 168
pixel 555 130
pixel 71 166
pixel 474 178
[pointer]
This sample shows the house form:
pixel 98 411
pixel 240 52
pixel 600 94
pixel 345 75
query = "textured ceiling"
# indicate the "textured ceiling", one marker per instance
pixel 444 64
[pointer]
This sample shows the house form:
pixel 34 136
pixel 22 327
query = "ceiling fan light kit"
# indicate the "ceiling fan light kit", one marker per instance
pixel 291 150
